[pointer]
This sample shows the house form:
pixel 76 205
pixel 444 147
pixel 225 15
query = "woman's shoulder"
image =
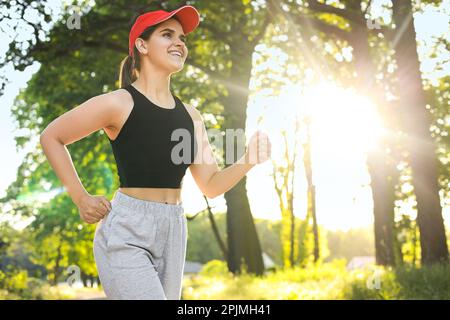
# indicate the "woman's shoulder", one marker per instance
pixel 117 104
pixel 117 98
pixel 194 112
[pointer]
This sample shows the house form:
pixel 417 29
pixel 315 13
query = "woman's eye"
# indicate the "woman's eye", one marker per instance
pixel 182 39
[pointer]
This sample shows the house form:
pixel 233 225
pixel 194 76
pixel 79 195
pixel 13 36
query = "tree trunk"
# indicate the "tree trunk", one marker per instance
pixel 56 269
pixel 311 190
pixel 381 168
pixel 243 242
pixel 419 143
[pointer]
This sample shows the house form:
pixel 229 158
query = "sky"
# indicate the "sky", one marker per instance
pixel 342 182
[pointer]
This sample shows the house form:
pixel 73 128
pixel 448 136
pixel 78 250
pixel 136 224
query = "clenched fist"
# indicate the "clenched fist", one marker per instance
pixel 93 208
pixel 259 148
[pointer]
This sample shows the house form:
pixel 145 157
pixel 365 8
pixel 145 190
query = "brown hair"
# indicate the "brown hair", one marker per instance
pixel 131 65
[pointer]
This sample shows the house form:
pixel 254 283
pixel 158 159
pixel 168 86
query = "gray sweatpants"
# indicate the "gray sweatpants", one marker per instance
pixel 140 249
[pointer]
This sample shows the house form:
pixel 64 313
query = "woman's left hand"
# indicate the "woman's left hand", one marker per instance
pixel 259 148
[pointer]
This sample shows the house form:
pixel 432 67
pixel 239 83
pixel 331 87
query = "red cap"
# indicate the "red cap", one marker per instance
pixel 188 16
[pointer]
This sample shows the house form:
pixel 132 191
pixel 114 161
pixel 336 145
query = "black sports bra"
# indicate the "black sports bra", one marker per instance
pixel 155 145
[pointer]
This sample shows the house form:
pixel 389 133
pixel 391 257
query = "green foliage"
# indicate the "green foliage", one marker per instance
pixel 350 243
pixel 408 240
pixel 269 236
pixel 428 282
pixel 17 285
pixel 318 282
pixel 214 268
pixel 202 245
pixel 14 281
pixel 306 246
pixel 323 281
pixel 61 239
pixel 438 98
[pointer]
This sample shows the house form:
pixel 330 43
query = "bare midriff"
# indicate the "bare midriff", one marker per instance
pixel 163 195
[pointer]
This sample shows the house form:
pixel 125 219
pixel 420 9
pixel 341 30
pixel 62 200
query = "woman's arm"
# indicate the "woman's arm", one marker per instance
pixel 258 151
pixel 92 115
pixel 210 179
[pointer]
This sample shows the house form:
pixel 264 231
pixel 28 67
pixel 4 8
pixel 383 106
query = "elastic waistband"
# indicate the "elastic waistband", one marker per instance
pixel 143 206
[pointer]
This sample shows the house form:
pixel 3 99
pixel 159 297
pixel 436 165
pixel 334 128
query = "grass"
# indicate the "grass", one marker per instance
pixel 325 281
pixel 17 285
pixel 319 282
pixel 431 282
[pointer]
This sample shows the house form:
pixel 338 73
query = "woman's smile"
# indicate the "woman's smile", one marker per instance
pixel 176 55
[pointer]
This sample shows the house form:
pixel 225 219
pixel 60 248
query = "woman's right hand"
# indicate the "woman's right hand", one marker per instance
pixel 93 208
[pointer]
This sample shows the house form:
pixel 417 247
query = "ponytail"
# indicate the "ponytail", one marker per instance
pixel 127 71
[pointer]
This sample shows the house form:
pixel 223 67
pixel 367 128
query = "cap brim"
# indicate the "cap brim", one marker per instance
pixel 188 16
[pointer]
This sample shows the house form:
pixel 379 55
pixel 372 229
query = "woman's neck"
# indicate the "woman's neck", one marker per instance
pixel 154 83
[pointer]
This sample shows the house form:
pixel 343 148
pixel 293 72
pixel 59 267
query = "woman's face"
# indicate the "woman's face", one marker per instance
pixel 165 46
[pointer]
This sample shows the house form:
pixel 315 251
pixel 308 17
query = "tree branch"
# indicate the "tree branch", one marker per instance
pixel 267 19
pixel 309 23
pixel 319 7
pixel 224 35
pixel 369 4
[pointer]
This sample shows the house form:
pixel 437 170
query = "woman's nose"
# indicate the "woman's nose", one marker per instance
pixel 179 42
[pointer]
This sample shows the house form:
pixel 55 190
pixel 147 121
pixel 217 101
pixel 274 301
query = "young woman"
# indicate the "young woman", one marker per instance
pixel 140 240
